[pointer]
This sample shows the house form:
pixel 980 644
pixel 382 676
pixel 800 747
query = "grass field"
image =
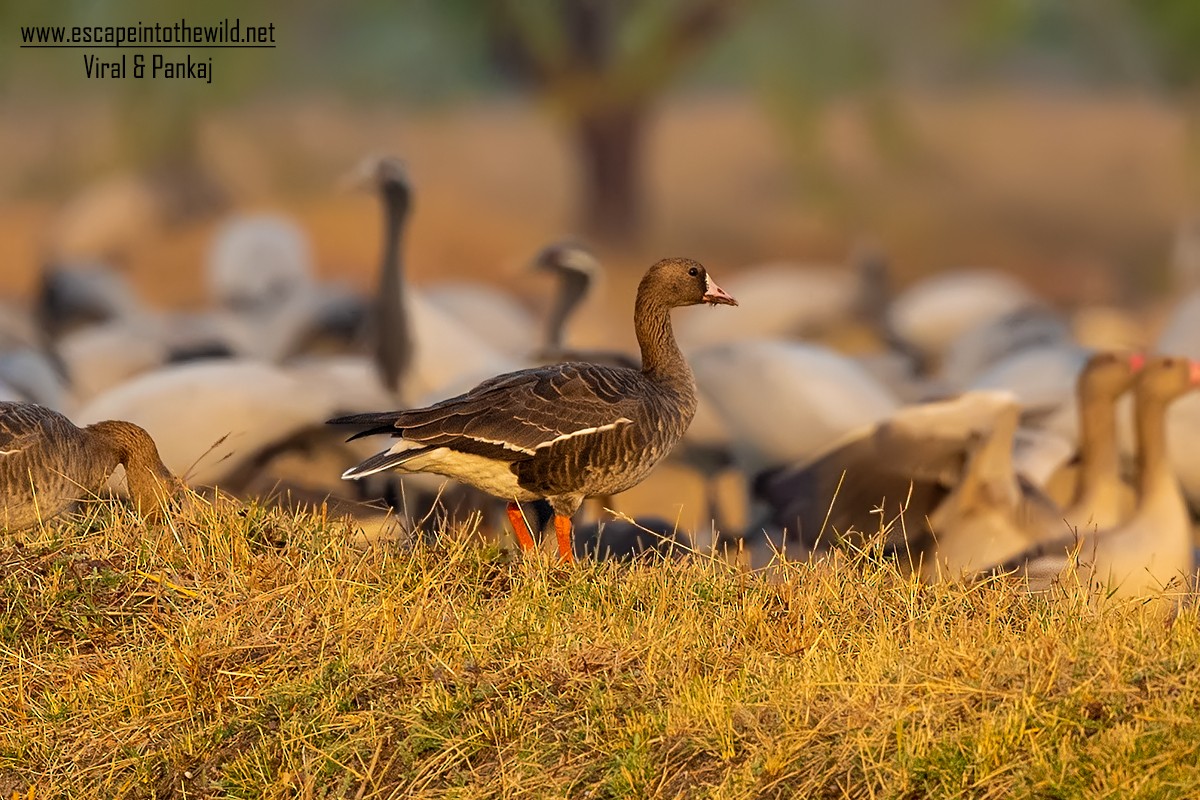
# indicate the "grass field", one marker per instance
pixel 240 652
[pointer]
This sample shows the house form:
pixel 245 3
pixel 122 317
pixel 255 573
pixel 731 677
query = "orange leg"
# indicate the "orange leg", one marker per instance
pixel 562 529
pixel 517 520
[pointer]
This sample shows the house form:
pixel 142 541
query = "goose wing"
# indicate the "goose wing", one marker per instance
pixel 21 424
pixel 511 417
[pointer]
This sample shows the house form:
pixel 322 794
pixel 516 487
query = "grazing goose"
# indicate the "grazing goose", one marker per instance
pixel 1152 549
pixel 562 432
pixel 47 464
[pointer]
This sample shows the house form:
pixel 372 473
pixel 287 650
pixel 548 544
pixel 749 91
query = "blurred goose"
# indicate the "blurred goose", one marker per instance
pixel 209 418
pixel 1152 549
pixel 1098 498
pixel 905 465
pixel 784 402
pixel 932 314
pixel 562 432
pixel 47 464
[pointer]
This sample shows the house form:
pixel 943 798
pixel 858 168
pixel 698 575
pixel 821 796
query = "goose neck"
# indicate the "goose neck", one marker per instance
pixel 662 360
pixel 1153 467
pixel 1099 460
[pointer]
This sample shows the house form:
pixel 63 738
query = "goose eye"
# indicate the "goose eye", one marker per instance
pixel 693 272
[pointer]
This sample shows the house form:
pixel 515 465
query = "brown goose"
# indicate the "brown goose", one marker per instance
pixel 47 464
pixel 1152 548
pixel 561 432
pixel 1101 499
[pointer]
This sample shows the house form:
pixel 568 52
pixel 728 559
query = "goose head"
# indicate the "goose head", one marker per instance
pixel 1168 377
pixel 151 485
pixel 675 282
pixel 1109 375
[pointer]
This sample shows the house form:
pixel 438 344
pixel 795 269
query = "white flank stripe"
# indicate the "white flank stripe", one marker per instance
pixel 506 445
pixel 584 432
pixel 9 452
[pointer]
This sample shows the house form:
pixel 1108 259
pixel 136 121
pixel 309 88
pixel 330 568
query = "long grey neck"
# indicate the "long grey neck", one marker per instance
pixel 572 288
pixel 393 345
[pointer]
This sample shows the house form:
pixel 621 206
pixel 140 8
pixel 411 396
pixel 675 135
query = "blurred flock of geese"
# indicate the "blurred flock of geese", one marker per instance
pixel 966 430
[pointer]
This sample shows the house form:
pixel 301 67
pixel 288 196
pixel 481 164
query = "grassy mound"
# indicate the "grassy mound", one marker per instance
pixel 240 652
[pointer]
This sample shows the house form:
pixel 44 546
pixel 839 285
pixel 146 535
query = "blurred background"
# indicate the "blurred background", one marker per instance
pixel 1051 138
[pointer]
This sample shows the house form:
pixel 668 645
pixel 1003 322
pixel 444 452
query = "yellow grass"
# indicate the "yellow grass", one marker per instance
pixel 253 654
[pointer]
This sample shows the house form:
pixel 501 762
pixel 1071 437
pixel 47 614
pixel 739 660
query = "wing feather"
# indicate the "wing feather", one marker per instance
pixel 518 413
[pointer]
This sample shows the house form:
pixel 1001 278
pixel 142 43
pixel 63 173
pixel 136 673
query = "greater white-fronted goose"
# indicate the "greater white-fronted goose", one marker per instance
pixel 1152 549
pixel 47 464
pixel 561 432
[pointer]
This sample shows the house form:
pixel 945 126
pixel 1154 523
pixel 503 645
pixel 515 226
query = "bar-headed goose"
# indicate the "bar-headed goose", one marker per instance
pixel 561 432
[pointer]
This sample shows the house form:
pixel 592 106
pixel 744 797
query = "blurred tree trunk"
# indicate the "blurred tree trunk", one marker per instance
pixel 609 143
pixel 600 65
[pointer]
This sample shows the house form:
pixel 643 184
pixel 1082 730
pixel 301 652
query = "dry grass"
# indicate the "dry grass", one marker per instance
pixel 246 653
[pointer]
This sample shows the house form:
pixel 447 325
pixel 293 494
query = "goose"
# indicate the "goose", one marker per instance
pixel 1152 549
pixel 562 432
pixel 233 410
pixel 1100 498
pixel 784 402
pixel 905 464
pixel 931 314
pixel 47 464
